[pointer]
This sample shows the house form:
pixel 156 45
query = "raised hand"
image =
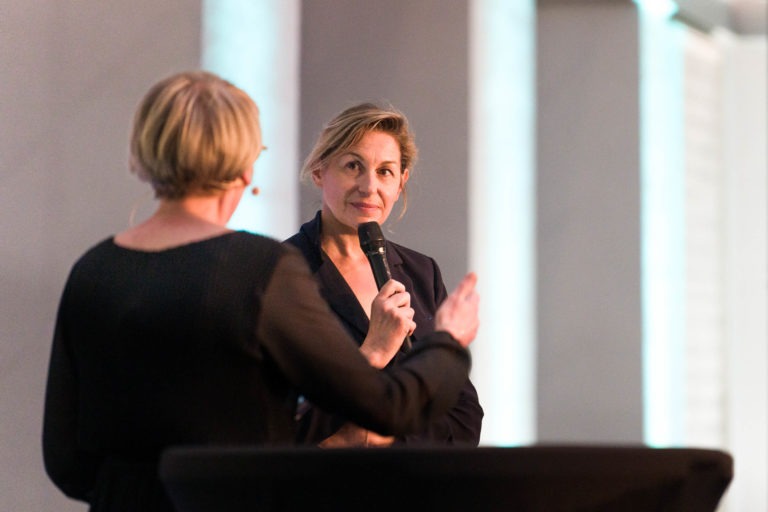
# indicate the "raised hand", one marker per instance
pixel 458 314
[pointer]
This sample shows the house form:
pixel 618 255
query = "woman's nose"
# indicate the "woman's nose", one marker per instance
pixel 366 182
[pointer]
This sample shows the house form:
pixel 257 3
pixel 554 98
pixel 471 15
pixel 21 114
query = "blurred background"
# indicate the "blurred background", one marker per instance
pixel 600 163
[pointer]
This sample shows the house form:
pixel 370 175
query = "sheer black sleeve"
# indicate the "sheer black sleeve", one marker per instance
pixel 313 350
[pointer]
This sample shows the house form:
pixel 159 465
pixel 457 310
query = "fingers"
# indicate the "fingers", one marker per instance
pixel 393 294
pixel 411 327
pixel 391 321
pixel 391 287
pixel 400 300
pixel 459 312
pixel 466 291
pixel 395 302
pixel 467 286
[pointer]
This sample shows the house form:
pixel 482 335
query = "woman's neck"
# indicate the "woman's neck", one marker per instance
pixel 207 209
pixel 339 241
pixel 342 245
pixel 179 222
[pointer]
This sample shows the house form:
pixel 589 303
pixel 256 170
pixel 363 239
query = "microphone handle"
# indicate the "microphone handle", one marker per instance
pixel 380 270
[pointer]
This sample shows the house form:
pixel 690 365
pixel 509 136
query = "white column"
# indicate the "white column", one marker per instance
pixel 255 44
pixel 663 224
pixel 746 188
pixel 501 205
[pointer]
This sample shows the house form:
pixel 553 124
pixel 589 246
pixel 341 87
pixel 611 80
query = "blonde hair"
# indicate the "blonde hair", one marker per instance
pixel 348 128
pixel 193 133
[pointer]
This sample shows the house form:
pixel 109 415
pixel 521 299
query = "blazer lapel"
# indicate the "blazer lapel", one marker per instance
pixel 342 299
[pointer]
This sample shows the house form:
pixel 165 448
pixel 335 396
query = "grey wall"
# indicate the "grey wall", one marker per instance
pixel 72 73
pixel 589 375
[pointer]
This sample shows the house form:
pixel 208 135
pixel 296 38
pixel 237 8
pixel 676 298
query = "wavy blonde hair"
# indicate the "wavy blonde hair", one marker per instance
pixel 193 133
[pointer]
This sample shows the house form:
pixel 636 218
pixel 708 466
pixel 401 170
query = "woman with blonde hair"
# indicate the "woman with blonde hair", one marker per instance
pixel 361 163
pixel 182 331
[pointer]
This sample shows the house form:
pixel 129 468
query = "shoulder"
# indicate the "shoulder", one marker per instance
pixel 301 242
pixel 419 272
pixel 260 253
pixel 399 254
pixel 245 241
pixel 232 249
pixel 95 255
pixel 307 241
pixel 258 245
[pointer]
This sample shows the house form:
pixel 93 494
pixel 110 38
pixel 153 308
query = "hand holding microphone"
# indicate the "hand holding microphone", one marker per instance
pixel 391 322
pixel 372 243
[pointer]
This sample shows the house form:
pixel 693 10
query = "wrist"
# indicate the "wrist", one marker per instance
pixel 375 358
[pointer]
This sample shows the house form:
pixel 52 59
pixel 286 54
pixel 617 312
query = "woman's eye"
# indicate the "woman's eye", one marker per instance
pixel 352 165
pixel 386 172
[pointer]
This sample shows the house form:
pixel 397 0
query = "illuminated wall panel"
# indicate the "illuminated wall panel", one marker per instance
pixel 502 111
pixel 255 44
pixel 663 223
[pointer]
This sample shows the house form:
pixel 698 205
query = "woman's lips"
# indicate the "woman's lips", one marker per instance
pixel 365 206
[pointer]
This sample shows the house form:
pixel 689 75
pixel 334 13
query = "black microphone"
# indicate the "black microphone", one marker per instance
pixel 372 244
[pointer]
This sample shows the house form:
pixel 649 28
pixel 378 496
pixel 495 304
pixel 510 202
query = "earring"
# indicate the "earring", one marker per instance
pixel 255 191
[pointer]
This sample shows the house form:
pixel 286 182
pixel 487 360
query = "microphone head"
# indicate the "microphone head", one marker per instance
pixel 370 236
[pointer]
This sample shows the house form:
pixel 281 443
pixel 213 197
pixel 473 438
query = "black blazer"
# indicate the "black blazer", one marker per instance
pixel 422 278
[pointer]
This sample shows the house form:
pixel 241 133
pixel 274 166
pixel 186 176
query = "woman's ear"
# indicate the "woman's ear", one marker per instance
pixel 404 178
pixel 317 177
pixel 247 176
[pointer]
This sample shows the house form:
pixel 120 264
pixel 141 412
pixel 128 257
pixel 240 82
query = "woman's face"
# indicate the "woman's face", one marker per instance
pixel 362 184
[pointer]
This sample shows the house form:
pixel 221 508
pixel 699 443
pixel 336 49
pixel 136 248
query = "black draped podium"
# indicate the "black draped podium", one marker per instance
pixel 535 478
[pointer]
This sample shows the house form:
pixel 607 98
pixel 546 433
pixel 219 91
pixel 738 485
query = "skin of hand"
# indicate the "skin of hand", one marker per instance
pixel 391 322
pixel 458 314
pixel 350 435
pixel 374 440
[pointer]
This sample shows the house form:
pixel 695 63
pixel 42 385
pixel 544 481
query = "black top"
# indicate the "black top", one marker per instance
pixel 209 343
pixel 423 281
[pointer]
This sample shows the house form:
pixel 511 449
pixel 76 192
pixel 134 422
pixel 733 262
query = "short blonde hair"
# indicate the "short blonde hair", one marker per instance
pixel 348 128
pixel 194 133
